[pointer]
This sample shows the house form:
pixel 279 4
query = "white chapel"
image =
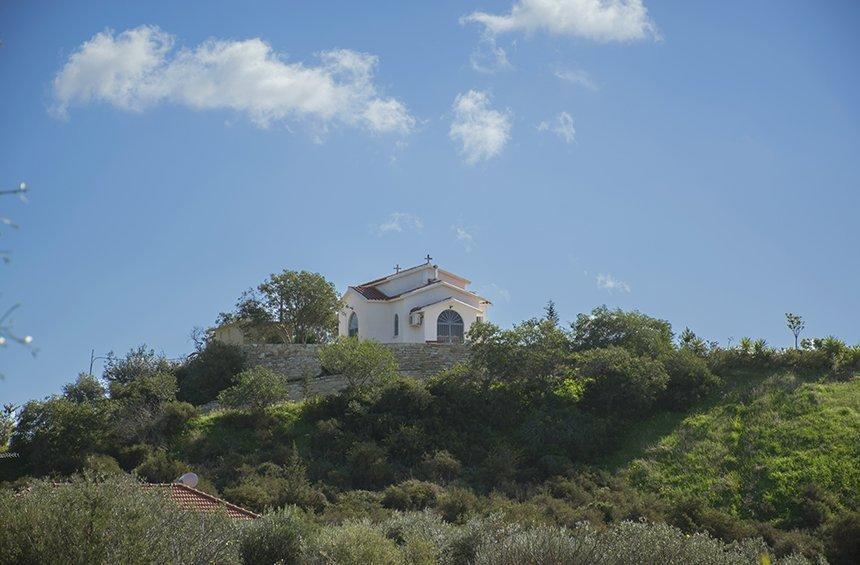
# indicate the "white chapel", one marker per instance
pixel 417 305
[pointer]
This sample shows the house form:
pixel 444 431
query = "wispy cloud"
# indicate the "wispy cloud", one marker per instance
pixel 488 57
pixel 495 292
pixel 481 131
pixel 599 20
pixel 611 284
pixel 398 222
pixel 464 236
pixel 577 77
pixel 562 126
pixel 139 68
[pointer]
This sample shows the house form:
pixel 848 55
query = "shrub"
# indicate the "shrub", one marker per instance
pixel 368 465
pixel 633 331
pixel 57 434
pixel 410 495
pixel 209 371
pixel 690 379
pixel 352 543
pixel 255 389
pixel 86 387
pixel 538 546
pixel 455 504
pixel 363 363
pixel 137 363
pixel 173 417
pixel 109 521
pixel 269 486
pixel 843 539
pixel 147 390
pixel 422 536
pixel 618 383
pixel 159 467
pixel 441 466
pixel 277 537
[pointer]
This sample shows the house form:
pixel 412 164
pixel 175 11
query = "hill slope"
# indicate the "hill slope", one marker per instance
pixel 780 450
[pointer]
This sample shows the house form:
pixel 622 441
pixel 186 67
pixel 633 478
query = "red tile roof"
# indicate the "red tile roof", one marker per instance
pixel 371 292
pixel 192 499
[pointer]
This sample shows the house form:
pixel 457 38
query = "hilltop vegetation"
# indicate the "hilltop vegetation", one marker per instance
pixel 545 429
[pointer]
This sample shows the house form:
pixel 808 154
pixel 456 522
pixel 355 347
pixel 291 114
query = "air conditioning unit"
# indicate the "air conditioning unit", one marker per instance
pixel 416 318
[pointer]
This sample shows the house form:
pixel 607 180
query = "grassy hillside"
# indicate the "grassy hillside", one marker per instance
pixel 770 449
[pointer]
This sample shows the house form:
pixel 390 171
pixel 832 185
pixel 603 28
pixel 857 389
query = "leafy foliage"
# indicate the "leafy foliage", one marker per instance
pixel 108 521
pixel 255 388
pixel 299 305
pixel 363 363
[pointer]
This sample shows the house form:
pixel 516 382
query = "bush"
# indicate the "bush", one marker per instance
pixel 455 504
pixel 208 372
pixel 109 521
pixel 410 495
pixel 363 363
pixel 618 383
pixel 269 486
pixel 843 539
pixel 633 331
pixel 255 389
pixel 172 418
pixel 352 543
pixel 277 537
pixel 160 467
pixel 690 379
pixel 441 466
pixel 368 465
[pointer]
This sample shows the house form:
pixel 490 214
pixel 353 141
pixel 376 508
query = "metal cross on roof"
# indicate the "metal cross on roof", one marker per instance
pixel 428 258
pixel 397 268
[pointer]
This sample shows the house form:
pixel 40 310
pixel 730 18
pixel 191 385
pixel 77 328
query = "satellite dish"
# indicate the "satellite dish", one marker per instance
pixel 188 479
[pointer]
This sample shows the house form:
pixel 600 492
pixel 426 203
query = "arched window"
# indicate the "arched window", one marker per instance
pixel 396 326
pixel 449 327
pixel 353 325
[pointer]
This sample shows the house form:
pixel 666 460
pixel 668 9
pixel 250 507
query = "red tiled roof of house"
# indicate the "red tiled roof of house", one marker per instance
pixel 371 292
pixel 199 501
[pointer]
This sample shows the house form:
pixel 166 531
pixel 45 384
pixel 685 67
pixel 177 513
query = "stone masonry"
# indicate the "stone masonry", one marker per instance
pixel 300 365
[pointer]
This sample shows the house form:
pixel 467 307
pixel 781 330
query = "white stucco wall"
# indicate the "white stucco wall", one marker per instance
pixel 376 319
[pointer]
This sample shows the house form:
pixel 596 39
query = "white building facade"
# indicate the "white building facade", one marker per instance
pixel 418 305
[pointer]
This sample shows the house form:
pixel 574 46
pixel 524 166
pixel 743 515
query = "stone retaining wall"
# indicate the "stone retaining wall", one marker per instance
pixel 300 363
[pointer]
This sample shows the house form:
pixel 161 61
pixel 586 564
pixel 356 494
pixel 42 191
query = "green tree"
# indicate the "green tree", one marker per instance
pixel 208 371
pixel 531 353
pixel 301 307
pixel 139 362
pixel 255 389
pixel 795 324
pixel 550 313
pixel 619 383
pixel 57 434
pixel 86 387
pixel 634 331
pixel 363 363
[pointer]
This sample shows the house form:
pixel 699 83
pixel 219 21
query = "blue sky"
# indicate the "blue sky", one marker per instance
pixel 697 161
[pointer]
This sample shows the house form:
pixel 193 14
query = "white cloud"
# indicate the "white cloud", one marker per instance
pixel 576 76
pixel 481 131
pixel 488 57
pixel 610 283
pixel 138 68
pixel 562 126
pixel 464 237
pixel 398 222
pixel 599 20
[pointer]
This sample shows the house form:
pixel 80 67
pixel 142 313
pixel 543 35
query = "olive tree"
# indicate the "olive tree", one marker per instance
pixel 300 306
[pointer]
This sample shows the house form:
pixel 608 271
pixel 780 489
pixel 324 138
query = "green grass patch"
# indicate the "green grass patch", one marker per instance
pixel 756 451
